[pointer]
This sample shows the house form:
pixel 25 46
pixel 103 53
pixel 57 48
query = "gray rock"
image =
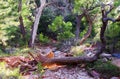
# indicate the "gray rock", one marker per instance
pixel 11 50
pixel 105 55
pixel 57 52
pixel 114 78
pixel 116 62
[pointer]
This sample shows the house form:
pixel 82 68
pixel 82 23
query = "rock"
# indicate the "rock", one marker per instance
pixel 54 49
pixel 90 54
pixel 57 52
pixel 105 55
pixel 11 50
pixel 116 62
pixel 67 73
pixel 114 78
pixel 95 74
pixel 47 50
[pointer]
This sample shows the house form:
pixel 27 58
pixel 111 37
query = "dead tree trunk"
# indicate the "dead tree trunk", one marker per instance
pixel 36 22
pixel 70 60
pixel 22 28
pixel 66 60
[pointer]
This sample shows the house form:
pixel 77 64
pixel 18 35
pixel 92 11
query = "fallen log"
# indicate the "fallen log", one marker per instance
pixel 50 62
pixel 68 60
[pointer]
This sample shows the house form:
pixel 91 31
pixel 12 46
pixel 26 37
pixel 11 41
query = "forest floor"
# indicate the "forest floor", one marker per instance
pixel 12 68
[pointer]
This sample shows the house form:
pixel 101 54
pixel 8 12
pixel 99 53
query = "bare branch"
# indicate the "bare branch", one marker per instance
pixel 111 7
pixel 92 6
pixel 111 19
pixel 50 3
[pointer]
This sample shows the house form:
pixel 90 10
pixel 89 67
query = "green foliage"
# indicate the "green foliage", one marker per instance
pixel 105 68
pixel 9 22
pixel 80 4
pixel 8 17
pixel 8 73
pixel 113 31
pixel 40 68
pixel 71 18
pixel 46 19
pixel 63 29
pixel 117 3
pixel 113 35
pixel 43 39
pixel 77 50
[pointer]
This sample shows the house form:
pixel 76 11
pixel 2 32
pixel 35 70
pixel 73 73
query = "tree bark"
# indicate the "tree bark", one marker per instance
pixel 102 37
pixel 90 23
pixel 105 20
pixel 70 60
pixel 36 22
pixel 103 28
pixel 66 60
pixel 78 19
pixel 22 28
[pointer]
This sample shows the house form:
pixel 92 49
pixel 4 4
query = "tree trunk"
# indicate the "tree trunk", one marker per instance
pixel 22 28
pixel 36 22
pixel 66 60
pixel 70 60
pixel 90 23
pixel 103 28
pixel 105 20
pixel 78 19
pixel 102 37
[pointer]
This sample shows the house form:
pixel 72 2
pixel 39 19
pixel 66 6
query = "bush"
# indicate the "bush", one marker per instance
pixel 43 39
pixel 63 29
pixel 113 36
pixel 105 68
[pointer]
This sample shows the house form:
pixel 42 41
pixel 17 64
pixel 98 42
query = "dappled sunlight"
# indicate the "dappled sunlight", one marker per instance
pixel 59 39
pixel 6 72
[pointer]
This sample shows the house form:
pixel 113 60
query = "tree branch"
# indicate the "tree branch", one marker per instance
pixel 111 7
pixel 93 7
pixel 22 28
pixel 50 3
pixel 111 19
pixel 90 23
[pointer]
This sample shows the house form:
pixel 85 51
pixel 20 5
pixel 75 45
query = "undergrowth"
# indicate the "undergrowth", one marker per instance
pixel 7 73
pixel 105 68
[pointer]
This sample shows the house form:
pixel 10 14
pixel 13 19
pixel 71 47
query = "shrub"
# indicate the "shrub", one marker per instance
pixel 43 39
pixel 105 68
pixel 63 29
